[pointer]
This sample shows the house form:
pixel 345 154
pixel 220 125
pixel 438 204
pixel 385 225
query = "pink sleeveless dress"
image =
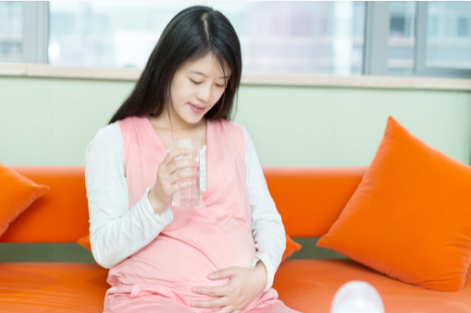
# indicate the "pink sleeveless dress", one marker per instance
pixel 200 240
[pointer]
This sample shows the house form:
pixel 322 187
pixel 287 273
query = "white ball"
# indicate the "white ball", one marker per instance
pixel 357 297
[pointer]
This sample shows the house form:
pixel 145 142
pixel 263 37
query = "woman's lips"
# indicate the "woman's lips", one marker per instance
pixel 196 109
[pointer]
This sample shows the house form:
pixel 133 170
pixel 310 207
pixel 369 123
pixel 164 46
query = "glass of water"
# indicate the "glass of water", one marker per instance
pixel 189 196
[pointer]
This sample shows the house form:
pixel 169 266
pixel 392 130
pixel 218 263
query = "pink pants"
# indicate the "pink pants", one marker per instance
pixel 157 304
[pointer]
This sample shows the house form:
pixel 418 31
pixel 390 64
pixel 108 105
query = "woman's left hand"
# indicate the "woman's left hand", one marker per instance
pixel 244 285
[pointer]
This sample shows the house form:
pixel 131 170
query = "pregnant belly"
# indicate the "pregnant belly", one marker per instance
pixel 173 260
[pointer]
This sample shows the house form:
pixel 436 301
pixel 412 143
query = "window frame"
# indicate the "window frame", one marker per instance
pixel 35 31
pixel 375 49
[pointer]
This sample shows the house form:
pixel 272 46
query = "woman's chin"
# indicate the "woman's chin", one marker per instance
pixel 193 119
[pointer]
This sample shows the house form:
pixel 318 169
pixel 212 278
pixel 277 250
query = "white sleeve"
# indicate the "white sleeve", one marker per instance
pixel 267 227
pixel 116 232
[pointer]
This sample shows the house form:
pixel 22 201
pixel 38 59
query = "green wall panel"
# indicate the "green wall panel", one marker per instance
pixel 46 121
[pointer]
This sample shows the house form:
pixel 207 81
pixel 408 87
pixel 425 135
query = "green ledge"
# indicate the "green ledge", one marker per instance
pixel 72 252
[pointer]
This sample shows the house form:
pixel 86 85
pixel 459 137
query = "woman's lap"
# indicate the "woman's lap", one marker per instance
pixel 145 304
pixel 273 307
pixel 158 304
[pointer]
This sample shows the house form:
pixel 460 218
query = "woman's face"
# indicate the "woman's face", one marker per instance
pixel 196 87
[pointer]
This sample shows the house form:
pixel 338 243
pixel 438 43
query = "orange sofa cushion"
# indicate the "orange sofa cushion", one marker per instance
pixel 291 246
pixel 52 287
pixel 410 217
pixel 16 195
pixel 307 286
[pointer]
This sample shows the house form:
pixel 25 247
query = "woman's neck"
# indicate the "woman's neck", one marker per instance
pixel 179 128
pixel 175 124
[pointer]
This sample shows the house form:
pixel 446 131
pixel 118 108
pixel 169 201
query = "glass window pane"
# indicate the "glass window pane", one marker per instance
pixel 276 37
pixel 303 37
pixel 11 30
pixel 401 42
pixel 449 34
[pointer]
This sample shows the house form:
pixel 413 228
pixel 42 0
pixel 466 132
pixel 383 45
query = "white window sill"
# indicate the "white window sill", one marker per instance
pixel 44 70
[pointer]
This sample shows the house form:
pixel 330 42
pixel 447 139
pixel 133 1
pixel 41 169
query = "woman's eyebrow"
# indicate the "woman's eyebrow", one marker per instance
pixel 196 72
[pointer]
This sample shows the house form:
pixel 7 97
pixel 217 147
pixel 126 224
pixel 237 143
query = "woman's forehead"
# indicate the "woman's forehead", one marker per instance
pixel 208 65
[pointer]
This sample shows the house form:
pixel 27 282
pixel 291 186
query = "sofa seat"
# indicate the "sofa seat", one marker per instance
pixel 310 286
pixel 52 287
pixel 305 285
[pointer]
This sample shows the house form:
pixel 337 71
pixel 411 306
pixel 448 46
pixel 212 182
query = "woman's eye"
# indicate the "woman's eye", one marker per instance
pixel 197 83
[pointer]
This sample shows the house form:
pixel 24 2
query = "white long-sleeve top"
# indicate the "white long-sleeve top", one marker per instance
pixel 117 232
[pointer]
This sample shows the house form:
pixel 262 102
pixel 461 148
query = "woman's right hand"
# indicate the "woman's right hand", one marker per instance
pixel 168 175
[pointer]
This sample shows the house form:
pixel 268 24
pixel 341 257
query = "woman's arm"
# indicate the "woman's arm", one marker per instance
pixel 267 227
pixel 116 232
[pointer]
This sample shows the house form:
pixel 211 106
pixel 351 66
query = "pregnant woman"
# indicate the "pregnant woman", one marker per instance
pixel 219 256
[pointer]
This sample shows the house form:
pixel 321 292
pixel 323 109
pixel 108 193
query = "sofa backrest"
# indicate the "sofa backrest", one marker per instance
pixel 61 215
pixel 308 199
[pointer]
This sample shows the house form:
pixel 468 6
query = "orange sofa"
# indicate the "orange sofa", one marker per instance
pixel 309 200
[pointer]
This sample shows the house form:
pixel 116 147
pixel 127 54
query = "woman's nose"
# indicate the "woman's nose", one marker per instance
pixel 204 94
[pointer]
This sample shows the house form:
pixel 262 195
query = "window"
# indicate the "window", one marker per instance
pixel 23 31
pixel 302 37
pixel 344 38
pixel 449 35
pixel 419 38
pixel 11 31
pixel 443 39
pixel 276 37
pixel 401 43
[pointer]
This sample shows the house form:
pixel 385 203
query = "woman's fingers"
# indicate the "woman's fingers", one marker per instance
pixel 214 291
pixel 173 175
pixel 184 175
pixel 215 303
pixel 181 185
pixel 227 309
pixel 180 164
pixel 174 154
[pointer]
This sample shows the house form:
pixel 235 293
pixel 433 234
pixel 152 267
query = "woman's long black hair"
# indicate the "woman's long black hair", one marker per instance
pixel 191 34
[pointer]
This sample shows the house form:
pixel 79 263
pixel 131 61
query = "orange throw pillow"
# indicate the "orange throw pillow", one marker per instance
pixel 85 242
pixel 16 195
pixel 410 217
pixel 291 246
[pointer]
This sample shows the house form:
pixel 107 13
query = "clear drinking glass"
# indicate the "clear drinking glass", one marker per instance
pixel 188 196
